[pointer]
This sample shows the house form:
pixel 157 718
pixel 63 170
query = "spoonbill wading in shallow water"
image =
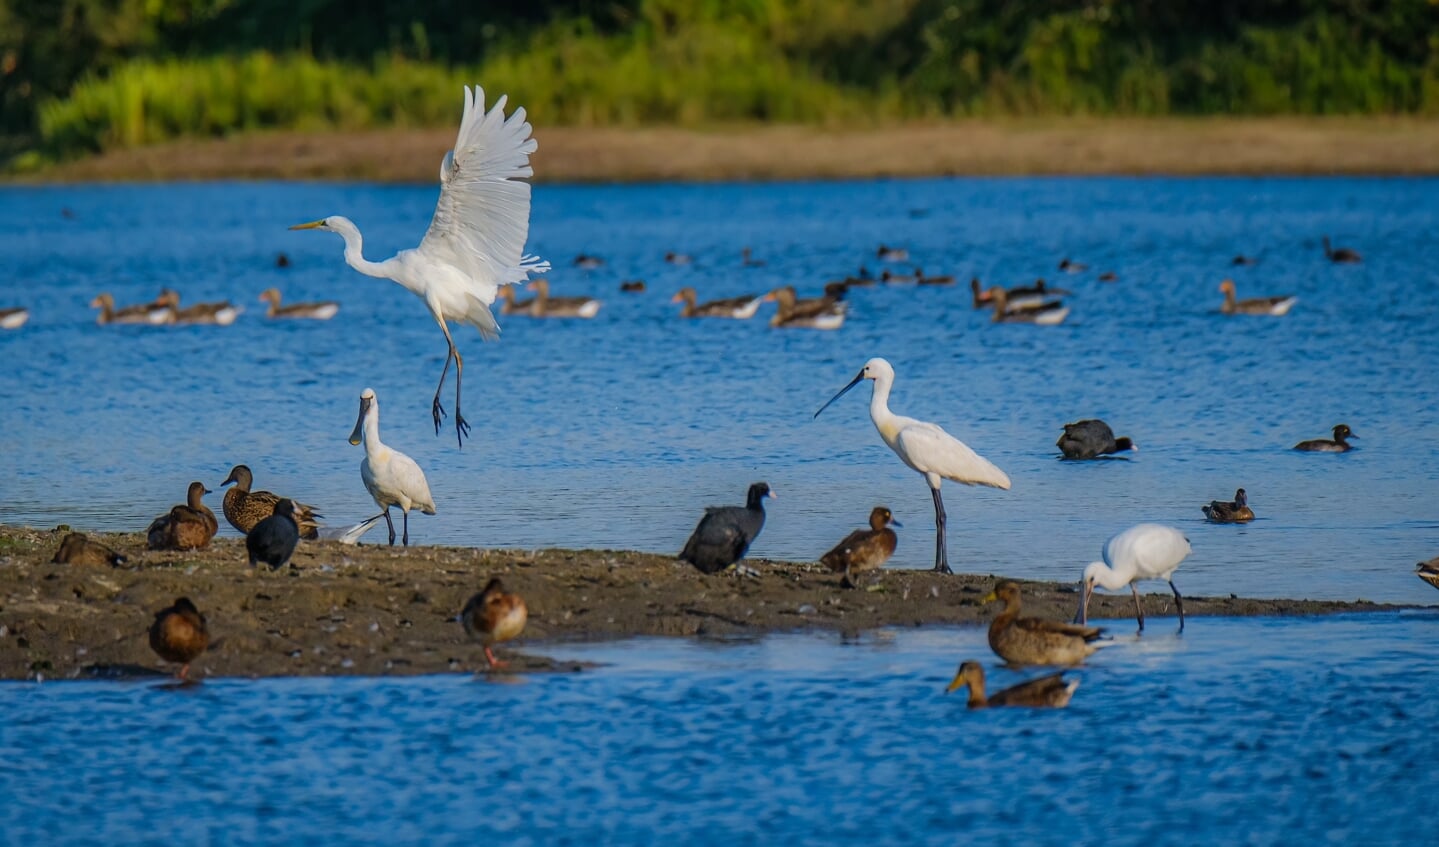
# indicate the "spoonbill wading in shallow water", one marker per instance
pixel 1144 551
pixel 924 447
pixel 475 240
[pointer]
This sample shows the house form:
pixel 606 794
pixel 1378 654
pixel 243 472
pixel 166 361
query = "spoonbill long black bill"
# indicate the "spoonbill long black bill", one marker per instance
pixel 924 447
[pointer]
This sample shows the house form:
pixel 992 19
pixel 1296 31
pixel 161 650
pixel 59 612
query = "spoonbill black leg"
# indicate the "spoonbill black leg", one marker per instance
pixel 406 516
pixel 941 554
pixel 391 525
pixel 1138 609
pixel 1179 602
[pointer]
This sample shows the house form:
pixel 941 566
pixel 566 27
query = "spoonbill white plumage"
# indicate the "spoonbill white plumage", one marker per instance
pixel 924 447
pixel 391 477
pixel 474 242
pixel 1144 551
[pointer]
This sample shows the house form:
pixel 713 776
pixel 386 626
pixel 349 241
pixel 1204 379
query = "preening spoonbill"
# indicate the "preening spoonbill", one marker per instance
pixel 864 549
pixel 1091 439
pixel 725 533
pixel 179 635
pixel 1144 551
pixel 391 477
pixel 494 615
pixel 1275 306
pixel 924 447
pixel 475 241
pixel 1051 691
pixel 1036 641
pixel 1340 444
pixel 1230 511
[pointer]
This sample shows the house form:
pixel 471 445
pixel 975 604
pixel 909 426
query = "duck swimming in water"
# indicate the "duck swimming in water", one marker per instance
pixel 1340 443
pixel 813 313
pixel 1342 255
pixel 511 306
pixel 1090 439
pixel 545 306
pixel 1050 691
pixel 1233 511
pixel 154 314
pixel 321 310
pixel 738 308
pixel 1275 306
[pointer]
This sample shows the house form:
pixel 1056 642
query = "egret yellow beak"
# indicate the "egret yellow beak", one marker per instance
pixel 989 598
pixel 310 225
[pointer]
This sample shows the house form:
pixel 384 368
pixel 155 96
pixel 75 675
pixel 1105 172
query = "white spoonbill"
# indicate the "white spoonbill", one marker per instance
pixel 391 477
pixel 475 239
pixel 924 447
pixel 1144 551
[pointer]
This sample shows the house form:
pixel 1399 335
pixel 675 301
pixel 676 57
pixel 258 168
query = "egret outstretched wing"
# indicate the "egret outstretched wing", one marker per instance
pixel 483 215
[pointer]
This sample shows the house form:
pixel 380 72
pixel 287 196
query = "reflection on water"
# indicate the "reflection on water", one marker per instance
pixel 616 432
pixel 1239 731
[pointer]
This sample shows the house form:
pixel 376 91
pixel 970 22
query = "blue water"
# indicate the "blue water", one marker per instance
pixel 616 432
pixel 1238 732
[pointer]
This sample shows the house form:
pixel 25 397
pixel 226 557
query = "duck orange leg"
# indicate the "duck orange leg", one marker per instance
pixel 494 663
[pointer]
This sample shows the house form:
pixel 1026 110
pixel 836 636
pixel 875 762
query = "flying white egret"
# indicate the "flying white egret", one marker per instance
pixel 924 447
pixel 475 241
pixel 391 477
pixel 1144 551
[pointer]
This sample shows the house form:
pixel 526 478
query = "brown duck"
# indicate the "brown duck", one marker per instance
pixel 186 527
pixel 1035 641
pixel 739 308
pixel 179 635
pixel 1046 692
pixel 1275 306
pixel 813 313
pixel 77 549
pixel 545 306
pixel 1429 571
pixel 1234 511
pixel 494 615
pixel 244 508
pixel 864 549
pixel 510 306
pixel 320 310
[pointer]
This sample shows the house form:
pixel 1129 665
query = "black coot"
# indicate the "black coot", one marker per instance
pixel 725 532
pixel 1088 439
pixel 273 539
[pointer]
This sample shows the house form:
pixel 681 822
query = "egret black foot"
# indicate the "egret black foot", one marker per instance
pixel 462 428
pixel 438 412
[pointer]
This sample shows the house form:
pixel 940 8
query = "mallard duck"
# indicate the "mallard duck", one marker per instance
pixel 511 306
pixel 186 527
pixel 244 508
pixel 1429 571
pixel 739 308
pixel 179 634
pixel 1091 438
pixel 1341 256
pixel 891 254
pixel 13 318
pixel 494 615
pixel 391 477
pixel 153 314
pixel 320 310
pixel 1051 313
pixel 77 548
pixel 1235 511
pixel 1072 267
pixel 814 313
pixel 864 549
pixel 1275 306
pixel 273 539
pixel 1051 691
pixel 545 306
pixel 1340 444
pixel 1036 641
pixel 725 533
pixel 220 313
pixel 748 260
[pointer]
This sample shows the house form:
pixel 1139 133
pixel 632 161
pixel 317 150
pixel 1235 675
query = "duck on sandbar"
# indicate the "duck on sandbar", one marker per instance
pixel 494 615
pixel 179 634
pixel 864 549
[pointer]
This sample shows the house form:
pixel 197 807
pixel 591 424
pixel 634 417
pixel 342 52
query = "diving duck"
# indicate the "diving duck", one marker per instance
pixel 545 306
pixel 632 286
pixel 1429 571
pixel 1109 276
pixel 244 508
pixel 1072 267
pixel 1051 691
pixel 587 262
pixel 179 634
pixel 1235 511
pixel 864 549
pixel 320 310
pixel 1243 261
pixel 814 313
pixel 739 308
pixel 510 306
pixel 391 477
pixel 725 533
pixel 154 314
pixel 1342 255
pixel 185 527
pixel 1090 439
pixel 1050 313
pixel 13 318
pixel 220 313
pixel 273 539
pixel 77 548
pixel 1340 444
pixel 892 278
pixel 891 254
pixel 1035 641
pixel 1275 306
pixel 494 615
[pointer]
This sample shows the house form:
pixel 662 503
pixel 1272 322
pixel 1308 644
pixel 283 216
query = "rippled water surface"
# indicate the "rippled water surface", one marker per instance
pixel 616 432
pixel 1254 731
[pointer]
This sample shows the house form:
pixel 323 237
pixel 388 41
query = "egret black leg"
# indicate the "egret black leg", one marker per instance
pixel 1178 601
pixel 436 410
pixel 406 516
pixel 462 428
pixel 391 525
pixel 1138 609
pixel 941 555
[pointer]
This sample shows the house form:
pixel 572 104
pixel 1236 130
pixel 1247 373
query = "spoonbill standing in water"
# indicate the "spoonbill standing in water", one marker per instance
pixel 475 239
pixel 924 447
pixel 1144 551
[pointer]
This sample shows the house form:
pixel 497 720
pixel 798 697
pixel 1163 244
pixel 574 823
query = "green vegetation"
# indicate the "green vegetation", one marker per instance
pixel 85 75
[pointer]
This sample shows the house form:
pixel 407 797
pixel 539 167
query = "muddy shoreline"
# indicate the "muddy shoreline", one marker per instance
pixel 374 610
